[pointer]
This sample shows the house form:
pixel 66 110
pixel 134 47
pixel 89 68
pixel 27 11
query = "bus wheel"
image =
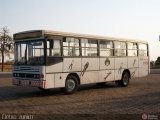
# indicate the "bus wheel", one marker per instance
pixel 71 84
pixel 125 80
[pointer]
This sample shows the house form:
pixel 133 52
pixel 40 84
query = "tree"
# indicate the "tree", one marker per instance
pixel 157 61
pixel 6 45
pixel 152 63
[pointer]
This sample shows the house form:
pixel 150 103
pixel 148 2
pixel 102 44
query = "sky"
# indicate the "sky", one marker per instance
pixel 133 19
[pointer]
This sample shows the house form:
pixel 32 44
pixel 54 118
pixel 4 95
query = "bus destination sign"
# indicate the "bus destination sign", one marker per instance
pixel 28 35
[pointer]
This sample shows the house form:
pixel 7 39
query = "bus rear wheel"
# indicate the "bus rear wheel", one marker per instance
pixel 71 84
pixel 124 82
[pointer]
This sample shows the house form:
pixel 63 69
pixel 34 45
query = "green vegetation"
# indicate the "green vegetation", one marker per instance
pixel 155 64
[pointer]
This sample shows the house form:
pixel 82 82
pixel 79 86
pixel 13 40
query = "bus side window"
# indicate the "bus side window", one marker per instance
pixel 132 49
pixel 89 47
pixel 106 48
pixel 53 48
pixel 71 47
pixel 142 49
pixel 119 48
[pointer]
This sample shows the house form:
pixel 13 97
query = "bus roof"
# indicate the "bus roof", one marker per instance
pixel 69 34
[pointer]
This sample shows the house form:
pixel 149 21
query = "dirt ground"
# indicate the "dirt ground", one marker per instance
pixel 140 100
pixel 7 68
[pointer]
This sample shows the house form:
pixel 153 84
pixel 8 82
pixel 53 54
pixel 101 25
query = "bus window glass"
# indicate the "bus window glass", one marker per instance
pixel 143 49
pixel 53 48
pixel 132 49
pixel 106 48
pixel 89 47
pixel 29 52
pixel 71 47
pixel 120 48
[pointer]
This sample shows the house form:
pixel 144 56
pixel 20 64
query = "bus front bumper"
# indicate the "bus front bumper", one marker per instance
pixel 32 83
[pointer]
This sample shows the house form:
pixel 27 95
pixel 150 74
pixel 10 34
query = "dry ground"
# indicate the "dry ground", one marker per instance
pixel 90 102
pixel 7 68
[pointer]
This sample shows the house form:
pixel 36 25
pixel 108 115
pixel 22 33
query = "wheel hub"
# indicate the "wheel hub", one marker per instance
pixel 70 85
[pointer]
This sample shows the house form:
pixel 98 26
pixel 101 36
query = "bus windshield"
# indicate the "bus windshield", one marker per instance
pixel 29 52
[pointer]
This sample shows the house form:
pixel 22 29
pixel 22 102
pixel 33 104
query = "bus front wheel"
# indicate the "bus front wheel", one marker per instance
pixel 71 84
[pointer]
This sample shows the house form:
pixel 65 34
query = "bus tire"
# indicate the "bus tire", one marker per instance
pixel 71 84
pixel 124 82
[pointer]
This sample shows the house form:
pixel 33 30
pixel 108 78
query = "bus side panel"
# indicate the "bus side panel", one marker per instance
pixel 90 70
pixel 60 79
pixel 106 75
pixel 106 63
pixel 90 77
pixel 49 81
pixel 120 65
pixel 143 66
pixel 133 66
pixel 72 65
pixel 133 62
pixel 54 68
pixel 89 64
pixel 50 77
pixel 106 69
pixel 134 72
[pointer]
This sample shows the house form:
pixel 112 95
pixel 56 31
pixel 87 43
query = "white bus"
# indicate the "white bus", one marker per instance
pixel 51 59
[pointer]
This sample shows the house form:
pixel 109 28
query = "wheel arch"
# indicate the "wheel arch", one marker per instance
pixel 128 71
pixel 76 75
